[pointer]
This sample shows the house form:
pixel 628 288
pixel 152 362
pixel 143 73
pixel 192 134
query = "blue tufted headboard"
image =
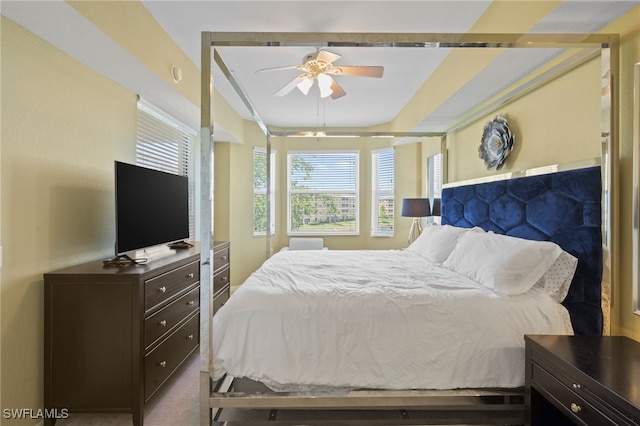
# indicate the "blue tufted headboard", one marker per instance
pixel 563 207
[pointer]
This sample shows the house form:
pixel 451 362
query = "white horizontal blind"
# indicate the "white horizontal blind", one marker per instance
pixel 382 179
pixel 260 191
pixel 434 174
pixel 323 192
pixel 165 144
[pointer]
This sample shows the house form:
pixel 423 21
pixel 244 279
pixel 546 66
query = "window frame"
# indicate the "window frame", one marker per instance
pixel 272 186
pixel 376 192
pixel 434 181
pixel 355 192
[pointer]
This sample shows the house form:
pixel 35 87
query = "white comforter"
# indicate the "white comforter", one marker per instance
pixel 376 319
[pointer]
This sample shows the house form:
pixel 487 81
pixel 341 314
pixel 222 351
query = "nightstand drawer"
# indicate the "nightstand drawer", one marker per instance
pixel 165 319
pixel 581 409
pixel 164 359
pixel 163 287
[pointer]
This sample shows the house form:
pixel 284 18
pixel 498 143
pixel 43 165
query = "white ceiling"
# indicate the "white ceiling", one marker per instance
pixel 368 101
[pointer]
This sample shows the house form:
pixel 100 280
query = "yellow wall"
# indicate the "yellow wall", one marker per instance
pixel 63 125
pixel 623 320
pixel 558 123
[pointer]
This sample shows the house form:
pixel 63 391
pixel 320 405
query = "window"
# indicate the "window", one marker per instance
pixel 382 208
pixel 434 176
pixel 434 181
pixel 165 144
pixel 323 192
pixel 260 192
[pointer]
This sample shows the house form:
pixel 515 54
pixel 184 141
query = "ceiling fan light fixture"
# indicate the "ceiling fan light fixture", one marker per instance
pixel 305 85
pixel 324 84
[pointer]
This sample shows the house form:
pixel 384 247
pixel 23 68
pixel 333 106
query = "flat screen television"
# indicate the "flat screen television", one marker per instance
pixel 152 207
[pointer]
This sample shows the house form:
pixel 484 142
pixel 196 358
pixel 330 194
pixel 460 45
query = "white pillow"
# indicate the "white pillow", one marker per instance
pixel 436 242
pixel 557 280
pixel 508 265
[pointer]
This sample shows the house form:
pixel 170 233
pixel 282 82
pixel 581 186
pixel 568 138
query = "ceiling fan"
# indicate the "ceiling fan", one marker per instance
pixel 319 66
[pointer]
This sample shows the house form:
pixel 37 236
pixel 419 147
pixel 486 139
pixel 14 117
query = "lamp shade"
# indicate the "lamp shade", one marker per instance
pixel 437 207
pixel 416 207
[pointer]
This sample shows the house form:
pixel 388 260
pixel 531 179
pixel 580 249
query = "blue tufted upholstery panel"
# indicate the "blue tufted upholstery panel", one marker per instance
pixel 563 207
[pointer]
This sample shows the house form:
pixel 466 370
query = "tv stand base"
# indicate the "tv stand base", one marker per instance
pixel 180 245
pixel 122 260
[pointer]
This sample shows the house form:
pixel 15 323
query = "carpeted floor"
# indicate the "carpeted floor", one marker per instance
pixel 176 404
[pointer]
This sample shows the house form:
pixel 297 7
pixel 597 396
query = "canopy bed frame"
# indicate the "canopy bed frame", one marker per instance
pixel 512 411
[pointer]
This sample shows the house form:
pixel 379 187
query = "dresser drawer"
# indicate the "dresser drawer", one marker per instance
pixel 164 320
pixel 581 408
pixel 161 288
pixel 221 298
pixel 163 360
pixel 220 258
pixel 220 280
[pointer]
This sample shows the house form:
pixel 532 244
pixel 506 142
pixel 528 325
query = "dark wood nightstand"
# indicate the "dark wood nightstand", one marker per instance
pixel 585 380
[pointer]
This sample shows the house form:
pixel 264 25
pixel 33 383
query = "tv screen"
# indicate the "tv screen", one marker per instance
pixel 152 207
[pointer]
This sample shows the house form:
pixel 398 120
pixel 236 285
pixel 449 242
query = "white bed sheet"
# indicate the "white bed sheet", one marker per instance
pixel 382 319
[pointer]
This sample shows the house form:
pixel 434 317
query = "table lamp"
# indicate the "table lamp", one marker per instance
pixel 415 208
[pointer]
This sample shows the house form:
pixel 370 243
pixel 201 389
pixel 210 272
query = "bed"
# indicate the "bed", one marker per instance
pixel 320 328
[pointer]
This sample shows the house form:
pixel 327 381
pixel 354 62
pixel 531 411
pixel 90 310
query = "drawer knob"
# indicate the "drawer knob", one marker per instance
pixel 163 323
pixel 191 303
pixel 163 363
pixel 576 386
pixel 190 337
pixel 163 289
pixel 575 408
pixel 190 275
pixel 224 278
pixel 224 257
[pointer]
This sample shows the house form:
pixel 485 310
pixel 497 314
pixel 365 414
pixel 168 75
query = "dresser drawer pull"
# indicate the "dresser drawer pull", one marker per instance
pixel 190 337
pixel 576 386
pixel 224 257
pixel 163 323
pixel 163 289
pixel 191 303
pixel 162 364
pixel 575 408
pixel 224 278
pixel 190 275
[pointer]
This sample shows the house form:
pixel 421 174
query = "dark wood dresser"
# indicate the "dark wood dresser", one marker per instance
pixel 221 274
pixel 114 335
pixel 584 380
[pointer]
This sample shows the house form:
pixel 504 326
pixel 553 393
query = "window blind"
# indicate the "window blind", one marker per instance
pixel 434 174
pixel 323 192
pixel 382 179
pixel 260 191
pixel 165 144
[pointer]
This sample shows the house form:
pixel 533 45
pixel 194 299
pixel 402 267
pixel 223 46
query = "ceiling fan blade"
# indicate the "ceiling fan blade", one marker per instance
pixel 358 71
pixel 328 57
pixel 338 91
pixel 290 67
pixel 290 86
